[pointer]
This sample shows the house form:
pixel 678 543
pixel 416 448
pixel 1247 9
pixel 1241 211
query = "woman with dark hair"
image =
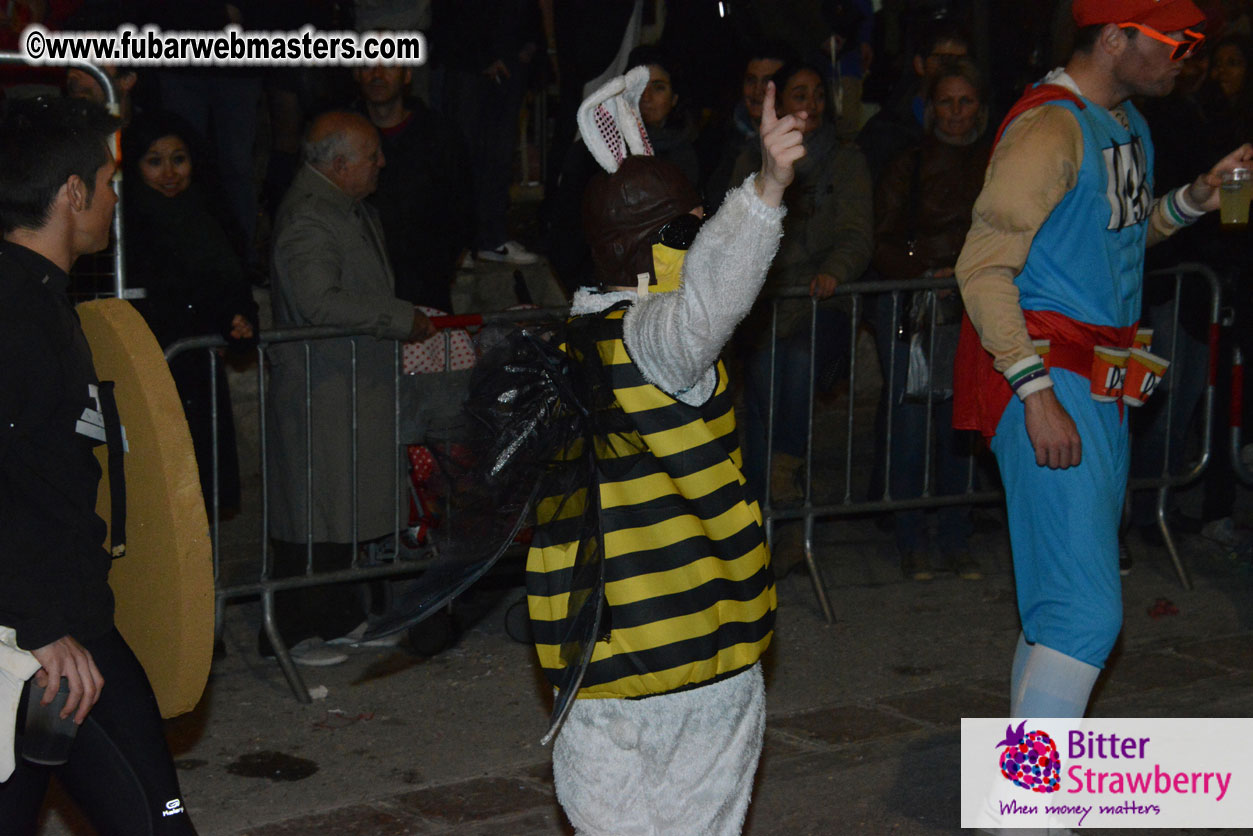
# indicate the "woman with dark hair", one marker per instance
pixel 179 252
pixel 826 242
pixel 671 134
pixel 669 126
pixel 1228 95
pixel 922 213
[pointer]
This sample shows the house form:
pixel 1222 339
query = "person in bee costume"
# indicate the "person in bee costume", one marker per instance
pixel 649 584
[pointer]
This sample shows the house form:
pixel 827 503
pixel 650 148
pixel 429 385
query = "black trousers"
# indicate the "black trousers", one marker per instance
pixel 325 611
pixel 120 772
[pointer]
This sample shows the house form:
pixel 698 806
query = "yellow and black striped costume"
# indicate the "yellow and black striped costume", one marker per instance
pixel 688 588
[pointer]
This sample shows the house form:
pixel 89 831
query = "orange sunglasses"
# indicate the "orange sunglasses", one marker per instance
pixel 1182 49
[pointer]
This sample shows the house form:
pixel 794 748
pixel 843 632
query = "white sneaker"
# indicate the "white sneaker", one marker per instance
pixel 510 252
pixel 314 653
pixel 353 638
pixel 390 640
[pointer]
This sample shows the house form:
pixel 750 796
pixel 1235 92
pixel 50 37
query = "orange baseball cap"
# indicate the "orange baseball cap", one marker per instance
pixel 1162 15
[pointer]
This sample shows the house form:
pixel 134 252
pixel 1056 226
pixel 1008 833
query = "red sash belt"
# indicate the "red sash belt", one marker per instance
pixel 980 392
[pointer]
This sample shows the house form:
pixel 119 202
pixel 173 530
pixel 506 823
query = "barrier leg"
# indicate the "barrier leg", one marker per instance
pixel 815 574
pixel 1164 527
pixel 281 652
pixel 1237 416
pixel 219 616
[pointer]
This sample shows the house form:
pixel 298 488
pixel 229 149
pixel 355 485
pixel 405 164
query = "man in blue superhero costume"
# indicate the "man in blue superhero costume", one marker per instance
pixel 1056 254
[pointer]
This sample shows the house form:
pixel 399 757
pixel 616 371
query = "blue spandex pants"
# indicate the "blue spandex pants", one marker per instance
pixel 1063 525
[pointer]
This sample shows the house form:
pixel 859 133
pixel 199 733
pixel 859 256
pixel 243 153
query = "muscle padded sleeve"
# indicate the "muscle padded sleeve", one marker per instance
pixel 1035 164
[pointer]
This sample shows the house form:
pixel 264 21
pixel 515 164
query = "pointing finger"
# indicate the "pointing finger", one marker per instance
pixel 768 116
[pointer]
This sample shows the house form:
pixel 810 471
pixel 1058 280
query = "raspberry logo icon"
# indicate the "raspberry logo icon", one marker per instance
pixel 1030 759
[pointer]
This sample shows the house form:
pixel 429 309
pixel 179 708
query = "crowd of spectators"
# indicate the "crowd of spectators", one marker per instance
pixel 1210 107
pixel 900 105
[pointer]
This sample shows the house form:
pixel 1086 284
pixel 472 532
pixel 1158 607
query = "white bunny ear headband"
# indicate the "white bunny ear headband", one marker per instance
pixel 610 121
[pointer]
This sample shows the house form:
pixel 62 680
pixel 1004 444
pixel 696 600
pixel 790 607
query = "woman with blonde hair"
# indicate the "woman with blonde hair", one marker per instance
pixel 922 213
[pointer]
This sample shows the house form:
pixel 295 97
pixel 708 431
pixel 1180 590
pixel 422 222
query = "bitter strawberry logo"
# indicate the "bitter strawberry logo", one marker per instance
pixel 1030 759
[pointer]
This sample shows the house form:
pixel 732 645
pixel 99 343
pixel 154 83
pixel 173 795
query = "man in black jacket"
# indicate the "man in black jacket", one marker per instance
pixel 56 203
pixel 426 211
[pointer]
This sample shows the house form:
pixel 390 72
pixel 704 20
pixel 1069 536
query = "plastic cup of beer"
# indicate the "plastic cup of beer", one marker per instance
pixel 47 737
pixel 1234 197
pixel 1144 372
pixel 1109 370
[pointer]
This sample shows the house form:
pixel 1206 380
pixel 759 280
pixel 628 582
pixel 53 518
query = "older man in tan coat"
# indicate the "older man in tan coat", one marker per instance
pixel 330 268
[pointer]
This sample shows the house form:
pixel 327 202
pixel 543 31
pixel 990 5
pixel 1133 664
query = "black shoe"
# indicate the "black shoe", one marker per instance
pixel 966 567
pixel 788 550
pixel 914 566
pixel 1185 524
pixel 434 634
pixel 986 524
pixel 518 622
pixel 1151 535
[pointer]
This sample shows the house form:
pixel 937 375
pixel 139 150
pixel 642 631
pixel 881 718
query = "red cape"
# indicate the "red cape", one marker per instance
pixel 980 392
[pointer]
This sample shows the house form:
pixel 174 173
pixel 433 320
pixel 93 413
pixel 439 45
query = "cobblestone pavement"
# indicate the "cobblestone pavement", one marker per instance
pixel 863 715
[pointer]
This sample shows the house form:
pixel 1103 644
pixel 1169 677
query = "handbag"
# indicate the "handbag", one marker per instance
pixel 932 322
pixel 934 328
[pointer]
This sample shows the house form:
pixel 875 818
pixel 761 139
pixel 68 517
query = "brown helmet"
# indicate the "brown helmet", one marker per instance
pixel 624 210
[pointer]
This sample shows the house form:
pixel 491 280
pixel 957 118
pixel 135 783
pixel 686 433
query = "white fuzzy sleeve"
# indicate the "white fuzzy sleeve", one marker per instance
pixel 675 338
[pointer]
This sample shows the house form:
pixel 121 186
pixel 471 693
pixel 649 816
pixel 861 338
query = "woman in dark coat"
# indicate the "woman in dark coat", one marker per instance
pixel 178 250
pixel 827 240
pixel 671 131
pixel 923 205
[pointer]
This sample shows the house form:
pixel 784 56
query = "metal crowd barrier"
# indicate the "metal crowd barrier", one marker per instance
pixel 891 297
pixel 849 503
pixel 1170 478
pixel 1238 465
pixel 398 559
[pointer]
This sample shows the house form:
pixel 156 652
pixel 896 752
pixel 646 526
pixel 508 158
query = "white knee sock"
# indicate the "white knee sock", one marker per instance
pixel 1050 684
pixel 1046 683
pixel 1021 652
